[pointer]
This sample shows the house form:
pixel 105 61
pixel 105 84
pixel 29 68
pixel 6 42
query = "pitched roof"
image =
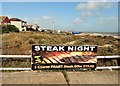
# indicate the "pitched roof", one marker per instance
pixel 15 19
pixel 2 18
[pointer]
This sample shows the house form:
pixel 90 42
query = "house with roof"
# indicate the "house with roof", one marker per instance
pixel 20 24
pixel 33 27
pixel 4 20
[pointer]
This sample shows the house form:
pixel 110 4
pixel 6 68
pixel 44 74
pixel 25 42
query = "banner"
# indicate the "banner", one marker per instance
pixel 63 54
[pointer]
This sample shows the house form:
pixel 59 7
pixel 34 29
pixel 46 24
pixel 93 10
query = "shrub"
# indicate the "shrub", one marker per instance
pixel 41 41
pixel 5 30
pixel 31 41
pixel 12 28
pixel 9 28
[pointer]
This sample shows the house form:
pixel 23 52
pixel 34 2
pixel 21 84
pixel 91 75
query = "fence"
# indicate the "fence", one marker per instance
pixel 29 56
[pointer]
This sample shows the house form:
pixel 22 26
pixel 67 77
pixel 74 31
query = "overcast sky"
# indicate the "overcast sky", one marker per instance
pixel 73 16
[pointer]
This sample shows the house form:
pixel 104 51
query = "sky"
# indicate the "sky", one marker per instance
pixel 89 16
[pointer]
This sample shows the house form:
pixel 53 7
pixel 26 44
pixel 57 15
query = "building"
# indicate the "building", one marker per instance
pixel 29 28
pixel 34 27
pixel 4 20
pixel 21 25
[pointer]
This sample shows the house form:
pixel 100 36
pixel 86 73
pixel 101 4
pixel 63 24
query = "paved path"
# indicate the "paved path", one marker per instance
pixel 33 78
pixel 87 77
pixel 95 77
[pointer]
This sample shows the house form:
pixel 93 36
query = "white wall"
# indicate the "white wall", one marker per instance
pixel 18 24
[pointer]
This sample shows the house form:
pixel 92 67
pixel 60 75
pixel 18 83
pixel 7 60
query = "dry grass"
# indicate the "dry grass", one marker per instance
pixel 20 43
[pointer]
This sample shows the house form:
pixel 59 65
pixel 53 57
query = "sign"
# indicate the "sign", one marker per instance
pixel 64 48
pixel 63 55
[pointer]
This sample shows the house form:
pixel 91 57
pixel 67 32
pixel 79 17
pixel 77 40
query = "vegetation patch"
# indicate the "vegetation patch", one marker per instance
pixel 20 43
pixel 9 28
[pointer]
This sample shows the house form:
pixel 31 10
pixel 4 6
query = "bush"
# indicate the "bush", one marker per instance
pixel 9 28
pixel 12 28
pixel 5 30
pixel 41 41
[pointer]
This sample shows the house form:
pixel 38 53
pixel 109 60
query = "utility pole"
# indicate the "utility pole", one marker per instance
pixel 53 24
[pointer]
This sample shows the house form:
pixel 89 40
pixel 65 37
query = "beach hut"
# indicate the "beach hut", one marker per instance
pixel 76 32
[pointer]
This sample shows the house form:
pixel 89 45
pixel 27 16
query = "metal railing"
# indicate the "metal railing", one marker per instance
pixel 29 56
pixel 15 56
